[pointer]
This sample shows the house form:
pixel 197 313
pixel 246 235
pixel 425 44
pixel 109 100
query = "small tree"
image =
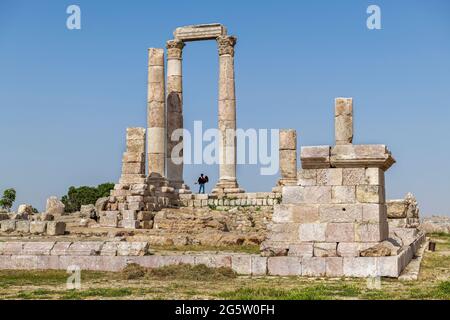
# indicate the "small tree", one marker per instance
pixel 76 197
pixel 9 196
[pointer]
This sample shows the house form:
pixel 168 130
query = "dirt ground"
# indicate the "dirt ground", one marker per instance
pixel 199 282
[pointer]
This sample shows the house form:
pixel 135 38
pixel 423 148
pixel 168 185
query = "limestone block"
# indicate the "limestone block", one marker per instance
pixel 156 140
pixel 374 176
pixel 307 177
pixel 354 176
pixel 155 57
pixel 200 32
pixel 155 92
pixel 343 126
pixel 145 215
pixel 54 206
pixel 87 211
pixel 109 248
pixel 12 248
pixel 60 248
pixel 304 249
pixel 343 194
pixel 329 177
pixel 109 219
pixel 288 139
pixel 156 114
pixel 85 248
pixel 308 194
pixel 352 249
pixel 352 156
pixel 343 106
pixel 283 232
pixel 312 232
pixel 135 134
pixel 23 226
pixel 241 264
pixel 315 157
pixel 340 232
pixel 325 249
pixel 56 228
pixel 313 267
pixel 259 265
pixel 138 157
pixel 214 261
pixel 371 232
pixel 26 209
pixel 284 266
pixel 132 249
pixel 306 213
pixel 374 213
pixel 8 225
pixel 397 209
pixel 361 267
pixel 38 227
pixel 38 248
pixel 288 164
pixel 334 266
pixel 370 194
pixel 340 213
pixel 135 199
pixel 136 146
pixel 130 224
pixel 156 163
pixel 389 266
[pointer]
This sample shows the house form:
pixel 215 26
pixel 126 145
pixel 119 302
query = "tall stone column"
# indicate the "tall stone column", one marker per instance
pixel 343 120
pixel 175 115
pixel 227 117
pixel 156 118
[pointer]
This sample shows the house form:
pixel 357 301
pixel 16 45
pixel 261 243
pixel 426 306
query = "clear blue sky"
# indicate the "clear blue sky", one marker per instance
pixel 66 97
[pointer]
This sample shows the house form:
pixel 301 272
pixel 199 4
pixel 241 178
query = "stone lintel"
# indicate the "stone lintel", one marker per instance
pixel 315 157
pixel 354 156
pixel 200 32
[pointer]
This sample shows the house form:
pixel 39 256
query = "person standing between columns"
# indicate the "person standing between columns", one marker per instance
pixel 227 116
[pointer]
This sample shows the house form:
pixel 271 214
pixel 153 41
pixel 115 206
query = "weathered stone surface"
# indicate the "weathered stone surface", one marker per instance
pixel 242 264
pixel 61 248
pixel 288 139
pixel 38 248
pixel 26 209
pixel 130 224
pixel 352 249
pixel 23 226
pixel 8 225
pixel 109 248
pixel 340 232
pixel 135 133
pixel 352 156
pixel 56 228
pixel 353 176
pixel 288 164
pixel 155 57
pixel 259 265
pixel 325 249
pixel 313 267
pixel 343 194
pixel 312 232
pixel 309 194
pixel 284 213
pixel 361 267
pixel 374 213
pixel 12 248
pixel 200 32
pixel 371 232
pixel 340 213
pixel 88 211
pixel 343 120
pixel 85 248
pixel 214 261
pixel 54 206
pixel 304 249
pixel 334 266
pixel 284 266
pixel 370 194
pixel 307 177
pixel 38 227
pixel 396 208
pixel 329 177
pixel 315 157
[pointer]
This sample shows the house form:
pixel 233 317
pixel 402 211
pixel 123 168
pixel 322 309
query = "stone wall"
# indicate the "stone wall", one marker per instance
pixel 403 213
pixel 230 200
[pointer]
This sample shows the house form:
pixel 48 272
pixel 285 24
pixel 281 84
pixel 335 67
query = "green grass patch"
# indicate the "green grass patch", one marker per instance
pixel 97 293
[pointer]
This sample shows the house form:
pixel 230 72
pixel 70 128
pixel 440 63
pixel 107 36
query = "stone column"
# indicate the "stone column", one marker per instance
pixel 227 117
pixel 175 114
pixel 156 119
pixel 343 120
pixel 287 158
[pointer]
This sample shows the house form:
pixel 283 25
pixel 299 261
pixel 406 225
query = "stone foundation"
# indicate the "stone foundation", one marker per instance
pixel 230 200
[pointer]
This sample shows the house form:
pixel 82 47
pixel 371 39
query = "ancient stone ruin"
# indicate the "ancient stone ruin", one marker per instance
pixel 328 218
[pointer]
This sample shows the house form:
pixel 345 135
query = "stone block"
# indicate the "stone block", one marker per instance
pixel 259 265
pixel 315 157
pixel 284 266
pixel 23 226
pixel 389 266
pixel 135 133
pixel 155 57
pixel 282 213
pixel 313 267
pixel 25 209
pixel 130 224
pixel 38 248
pixel 312 232
pixel 132 248
pixel 85 248
pixel 304 249
pixel 200 32
pixel 54 206
pixel 38 227
pixel 288 164
pixel 307 177
pixel 361 267
pixel 352 249
pixel 308 194
pixel 283 232
pixel 343 194
pixel 133 157
pixel 353 176
pixel 370 194
pixel 363 156
pixel 340 213
pixel 214 261
pixel 374 176
pixel 12 248
pixel 242 264
pixel 374 213
pixel 56 228
pixel 132 178
pixel 145 215
pixel 325 249
pixel 61 248
pixel 288 139
pixel 133 168
pixel 109 248
pixel 129 214
pixel 343 128
pixel 156 163
pixel 371 232
pixel 397 209
pixel 8 225
pixel 340 232
pixel 329 177
pixel 334 266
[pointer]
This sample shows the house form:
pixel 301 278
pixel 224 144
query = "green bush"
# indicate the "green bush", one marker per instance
pixel 76 197
pixel 9 196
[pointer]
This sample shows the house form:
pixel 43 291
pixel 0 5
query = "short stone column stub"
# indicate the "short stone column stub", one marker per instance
pixel 287 158
pixel 343 120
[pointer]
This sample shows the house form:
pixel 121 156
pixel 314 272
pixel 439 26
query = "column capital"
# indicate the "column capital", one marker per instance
pixel 226 45
pixel 174 49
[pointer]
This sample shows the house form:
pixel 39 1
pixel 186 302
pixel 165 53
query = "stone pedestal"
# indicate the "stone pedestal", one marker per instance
pixel 227 118
pixel 174 104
